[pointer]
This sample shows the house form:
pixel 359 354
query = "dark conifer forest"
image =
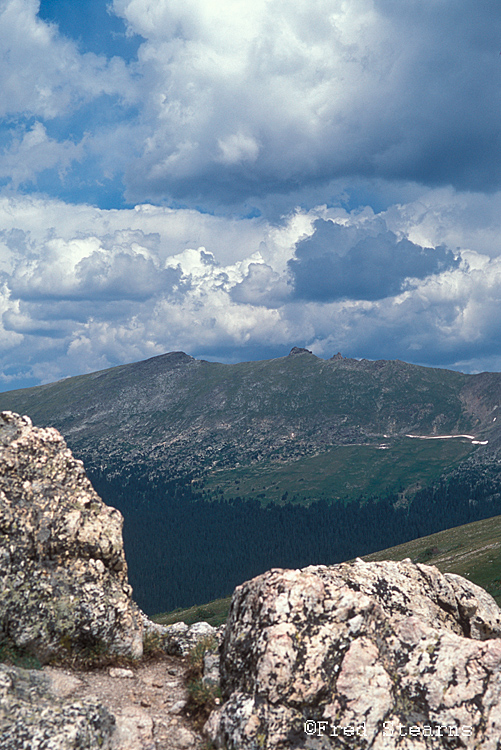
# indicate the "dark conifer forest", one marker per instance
pixel 184 550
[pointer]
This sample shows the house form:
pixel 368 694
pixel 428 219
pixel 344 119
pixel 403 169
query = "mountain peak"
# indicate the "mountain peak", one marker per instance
pixel 298 350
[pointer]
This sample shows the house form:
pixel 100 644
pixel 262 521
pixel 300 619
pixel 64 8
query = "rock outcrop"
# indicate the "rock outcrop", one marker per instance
pixel 33 716
pixel 63 575
pixel 362 655
pixel 178 639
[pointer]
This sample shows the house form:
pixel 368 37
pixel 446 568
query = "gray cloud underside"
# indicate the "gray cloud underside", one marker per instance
pixel 339 262
pixel 234 101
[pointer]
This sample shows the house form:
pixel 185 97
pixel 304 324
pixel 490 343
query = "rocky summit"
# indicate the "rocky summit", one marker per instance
pixel 363 655
pixel 63 575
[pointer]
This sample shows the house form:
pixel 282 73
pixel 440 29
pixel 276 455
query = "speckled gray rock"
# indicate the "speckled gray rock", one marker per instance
pixel 363 655
pixel 32 716
pixel 63 575
pixel 211 676
pixel 178 639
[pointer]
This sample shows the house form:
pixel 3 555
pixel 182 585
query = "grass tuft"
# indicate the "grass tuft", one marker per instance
pixel 17 657
pixel 202 698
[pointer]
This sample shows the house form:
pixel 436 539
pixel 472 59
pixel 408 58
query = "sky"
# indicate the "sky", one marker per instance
pixel 232 178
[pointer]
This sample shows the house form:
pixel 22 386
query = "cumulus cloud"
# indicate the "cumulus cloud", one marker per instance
pixel 79 294
pixel 233 102
pixel 125 275
pixel 124 266
pixel 445 216
pixel 379 118
pixel 339 262
pixel 33 152
pixel 262 286
pixel 245 99
pixel 238 148
pixel 84 289
pixel 443 322
pixel 53 100
pixel 46 75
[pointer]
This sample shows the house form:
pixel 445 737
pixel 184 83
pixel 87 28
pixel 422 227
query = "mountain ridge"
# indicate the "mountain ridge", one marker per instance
pixel 194 414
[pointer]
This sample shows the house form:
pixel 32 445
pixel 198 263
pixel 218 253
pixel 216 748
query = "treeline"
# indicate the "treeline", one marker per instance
pixel 182 550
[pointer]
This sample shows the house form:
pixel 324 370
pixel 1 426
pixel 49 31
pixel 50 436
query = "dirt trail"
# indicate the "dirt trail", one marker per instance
pixel 147 702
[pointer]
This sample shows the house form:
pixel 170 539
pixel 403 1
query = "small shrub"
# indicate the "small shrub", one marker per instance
pixel 196 656
pixel 153 649
pixel 17 657
pixel 88 656
pixel 427 554
pixel 202 698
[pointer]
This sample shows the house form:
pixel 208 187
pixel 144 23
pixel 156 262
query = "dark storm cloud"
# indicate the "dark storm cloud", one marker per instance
pixel 391 90
pixel 339 262
pixel 236 101
pixel 348 110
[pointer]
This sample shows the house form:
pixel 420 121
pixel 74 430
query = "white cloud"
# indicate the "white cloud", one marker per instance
pixel 45 75
pixel 445 216
pixel 83 289
pixel 238 148
pixel 33 152
pixel 232 102
pixel 41 218
pixel 262 286
pixel 308 92
pixel 56 103
pixel 237 106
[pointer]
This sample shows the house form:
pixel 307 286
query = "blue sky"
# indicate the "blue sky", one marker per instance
pixel 233 178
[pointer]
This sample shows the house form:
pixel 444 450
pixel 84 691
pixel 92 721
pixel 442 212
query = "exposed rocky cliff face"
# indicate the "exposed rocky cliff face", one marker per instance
pixel 63 575
pixel 364 655
pixel 64 593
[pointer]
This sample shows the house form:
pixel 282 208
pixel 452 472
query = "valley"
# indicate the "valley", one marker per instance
pixel 472 551
pixel 223 471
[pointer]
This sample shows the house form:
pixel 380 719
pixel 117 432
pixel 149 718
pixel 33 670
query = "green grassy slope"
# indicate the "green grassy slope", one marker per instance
pixel 343 472
pixel 215 613
pixel 472 551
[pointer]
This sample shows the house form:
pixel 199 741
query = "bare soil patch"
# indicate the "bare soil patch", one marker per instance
pixel 148 702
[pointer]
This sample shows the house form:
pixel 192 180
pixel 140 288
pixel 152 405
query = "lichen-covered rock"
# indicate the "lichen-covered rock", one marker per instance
pixel 363 655
pixel 32 716
pixel 63 575
pixel 178 639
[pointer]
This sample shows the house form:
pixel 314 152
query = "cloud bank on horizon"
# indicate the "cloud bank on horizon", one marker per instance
pixel 232 178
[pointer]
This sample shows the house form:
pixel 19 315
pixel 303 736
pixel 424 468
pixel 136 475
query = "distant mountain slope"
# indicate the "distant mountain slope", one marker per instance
pixel 223 471
pixel 175 414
